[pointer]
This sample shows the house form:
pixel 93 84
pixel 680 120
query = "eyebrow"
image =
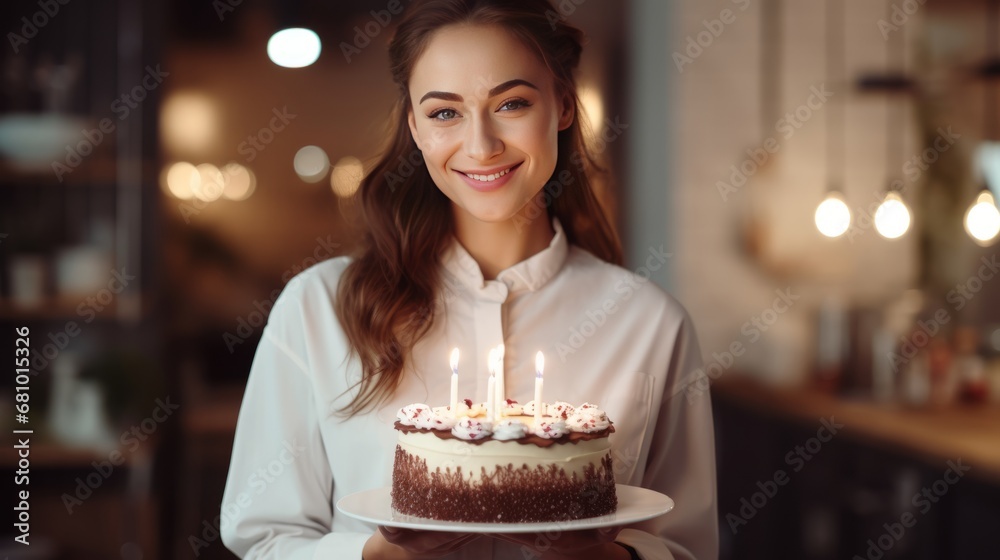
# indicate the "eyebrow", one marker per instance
pixel 510 84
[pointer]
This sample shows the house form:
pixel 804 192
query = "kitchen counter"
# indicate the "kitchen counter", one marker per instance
pixel 934 434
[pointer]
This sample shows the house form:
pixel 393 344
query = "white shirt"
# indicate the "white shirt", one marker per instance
pixel 610 337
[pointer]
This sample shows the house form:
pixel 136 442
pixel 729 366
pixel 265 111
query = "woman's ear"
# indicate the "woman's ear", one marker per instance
pixel 568 113
pixel 412 122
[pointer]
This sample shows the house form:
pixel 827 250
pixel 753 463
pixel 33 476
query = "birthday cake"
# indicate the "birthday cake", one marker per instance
pixel 503 464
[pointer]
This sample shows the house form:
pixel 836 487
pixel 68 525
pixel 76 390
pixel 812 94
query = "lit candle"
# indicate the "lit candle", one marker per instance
pixel 454 382
pixel 501 383
pixel 490 397
pixel 539 366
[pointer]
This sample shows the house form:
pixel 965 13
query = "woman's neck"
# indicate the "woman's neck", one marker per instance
pixel 499 245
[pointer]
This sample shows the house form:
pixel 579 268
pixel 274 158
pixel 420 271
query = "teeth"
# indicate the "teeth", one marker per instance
pixel 488 178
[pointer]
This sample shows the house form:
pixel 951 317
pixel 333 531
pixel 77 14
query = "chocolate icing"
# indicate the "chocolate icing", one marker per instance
pixel 571 437
pixel 508 495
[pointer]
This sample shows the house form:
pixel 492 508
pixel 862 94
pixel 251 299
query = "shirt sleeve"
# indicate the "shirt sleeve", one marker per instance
pixel 277 501
pixel 681 464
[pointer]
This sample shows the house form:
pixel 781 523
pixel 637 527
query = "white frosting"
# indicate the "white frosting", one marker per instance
pixel 561 409
pixel 414 415
pixel 588 420
pixel 550 428
pixel 442 418
pixel 488 456
pixel 471 429
pixel 471 424
pixel 509 429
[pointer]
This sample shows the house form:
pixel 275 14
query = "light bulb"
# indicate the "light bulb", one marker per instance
pixel 181 180
pixel 294 47
pixel 833 217
pixel 311 164
pixel 982 220
pixel 892 218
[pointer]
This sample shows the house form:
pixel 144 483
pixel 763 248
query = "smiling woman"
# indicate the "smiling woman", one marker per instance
pixel 502 140
pixel 486 132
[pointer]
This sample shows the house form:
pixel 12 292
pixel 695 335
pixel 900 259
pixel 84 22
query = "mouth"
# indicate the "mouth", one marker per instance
pixel 490 177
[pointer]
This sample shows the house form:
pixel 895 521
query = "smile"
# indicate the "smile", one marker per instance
pixel 491 177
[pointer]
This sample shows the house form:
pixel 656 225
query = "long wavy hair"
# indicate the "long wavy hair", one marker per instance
pixel 386 297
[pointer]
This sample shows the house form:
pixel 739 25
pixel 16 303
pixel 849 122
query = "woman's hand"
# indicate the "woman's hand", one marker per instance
pixel 598 544
pixel 390 543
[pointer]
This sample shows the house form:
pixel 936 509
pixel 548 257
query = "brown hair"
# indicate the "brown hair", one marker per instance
pixel 386 297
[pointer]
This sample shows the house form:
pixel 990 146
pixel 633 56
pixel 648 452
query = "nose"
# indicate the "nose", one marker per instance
pixel 481 141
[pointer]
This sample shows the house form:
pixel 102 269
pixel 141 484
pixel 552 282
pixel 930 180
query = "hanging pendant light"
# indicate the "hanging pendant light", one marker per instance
pixel 833 217
pixel 982 219
pixel 892 217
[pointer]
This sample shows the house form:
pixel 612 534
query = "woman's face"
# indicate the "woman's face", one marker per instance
pixel 485 115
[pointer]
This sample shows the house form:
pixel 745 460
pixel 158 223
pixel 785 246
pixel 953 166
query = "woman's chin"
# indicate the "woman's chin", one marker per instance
pixel 489 214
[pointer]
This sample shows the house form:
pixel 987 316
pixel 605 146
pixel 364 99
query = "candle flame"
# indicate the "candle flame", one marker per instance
pixel 491 360
pixel 500 351
pixel 539 363
pixel 454 360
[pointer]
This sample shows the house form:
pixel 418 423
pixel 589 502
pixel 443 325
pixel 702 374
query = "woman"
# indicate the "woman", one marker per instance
pixel 496 237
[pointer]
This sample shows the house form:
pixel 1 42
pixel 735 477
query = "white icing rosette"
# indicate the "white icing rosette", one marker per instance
pixel 588 420
pixel 471 429
pixel 417 415
pixel 561 409
pixel 551 428
pixel 587 405
pixel 510 429
pixel 442 417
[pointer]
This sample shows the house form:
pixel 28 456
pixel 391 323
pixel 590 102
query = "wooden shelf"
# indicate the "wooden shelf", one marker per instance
pixel 63 308
pixel 50 455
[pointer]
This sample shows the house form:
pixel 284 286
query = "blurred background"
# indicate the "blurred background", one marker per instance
pixel 823 174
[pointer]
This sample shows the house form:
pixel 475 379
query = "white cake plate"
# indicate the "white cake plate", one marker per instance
pixel 634 504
